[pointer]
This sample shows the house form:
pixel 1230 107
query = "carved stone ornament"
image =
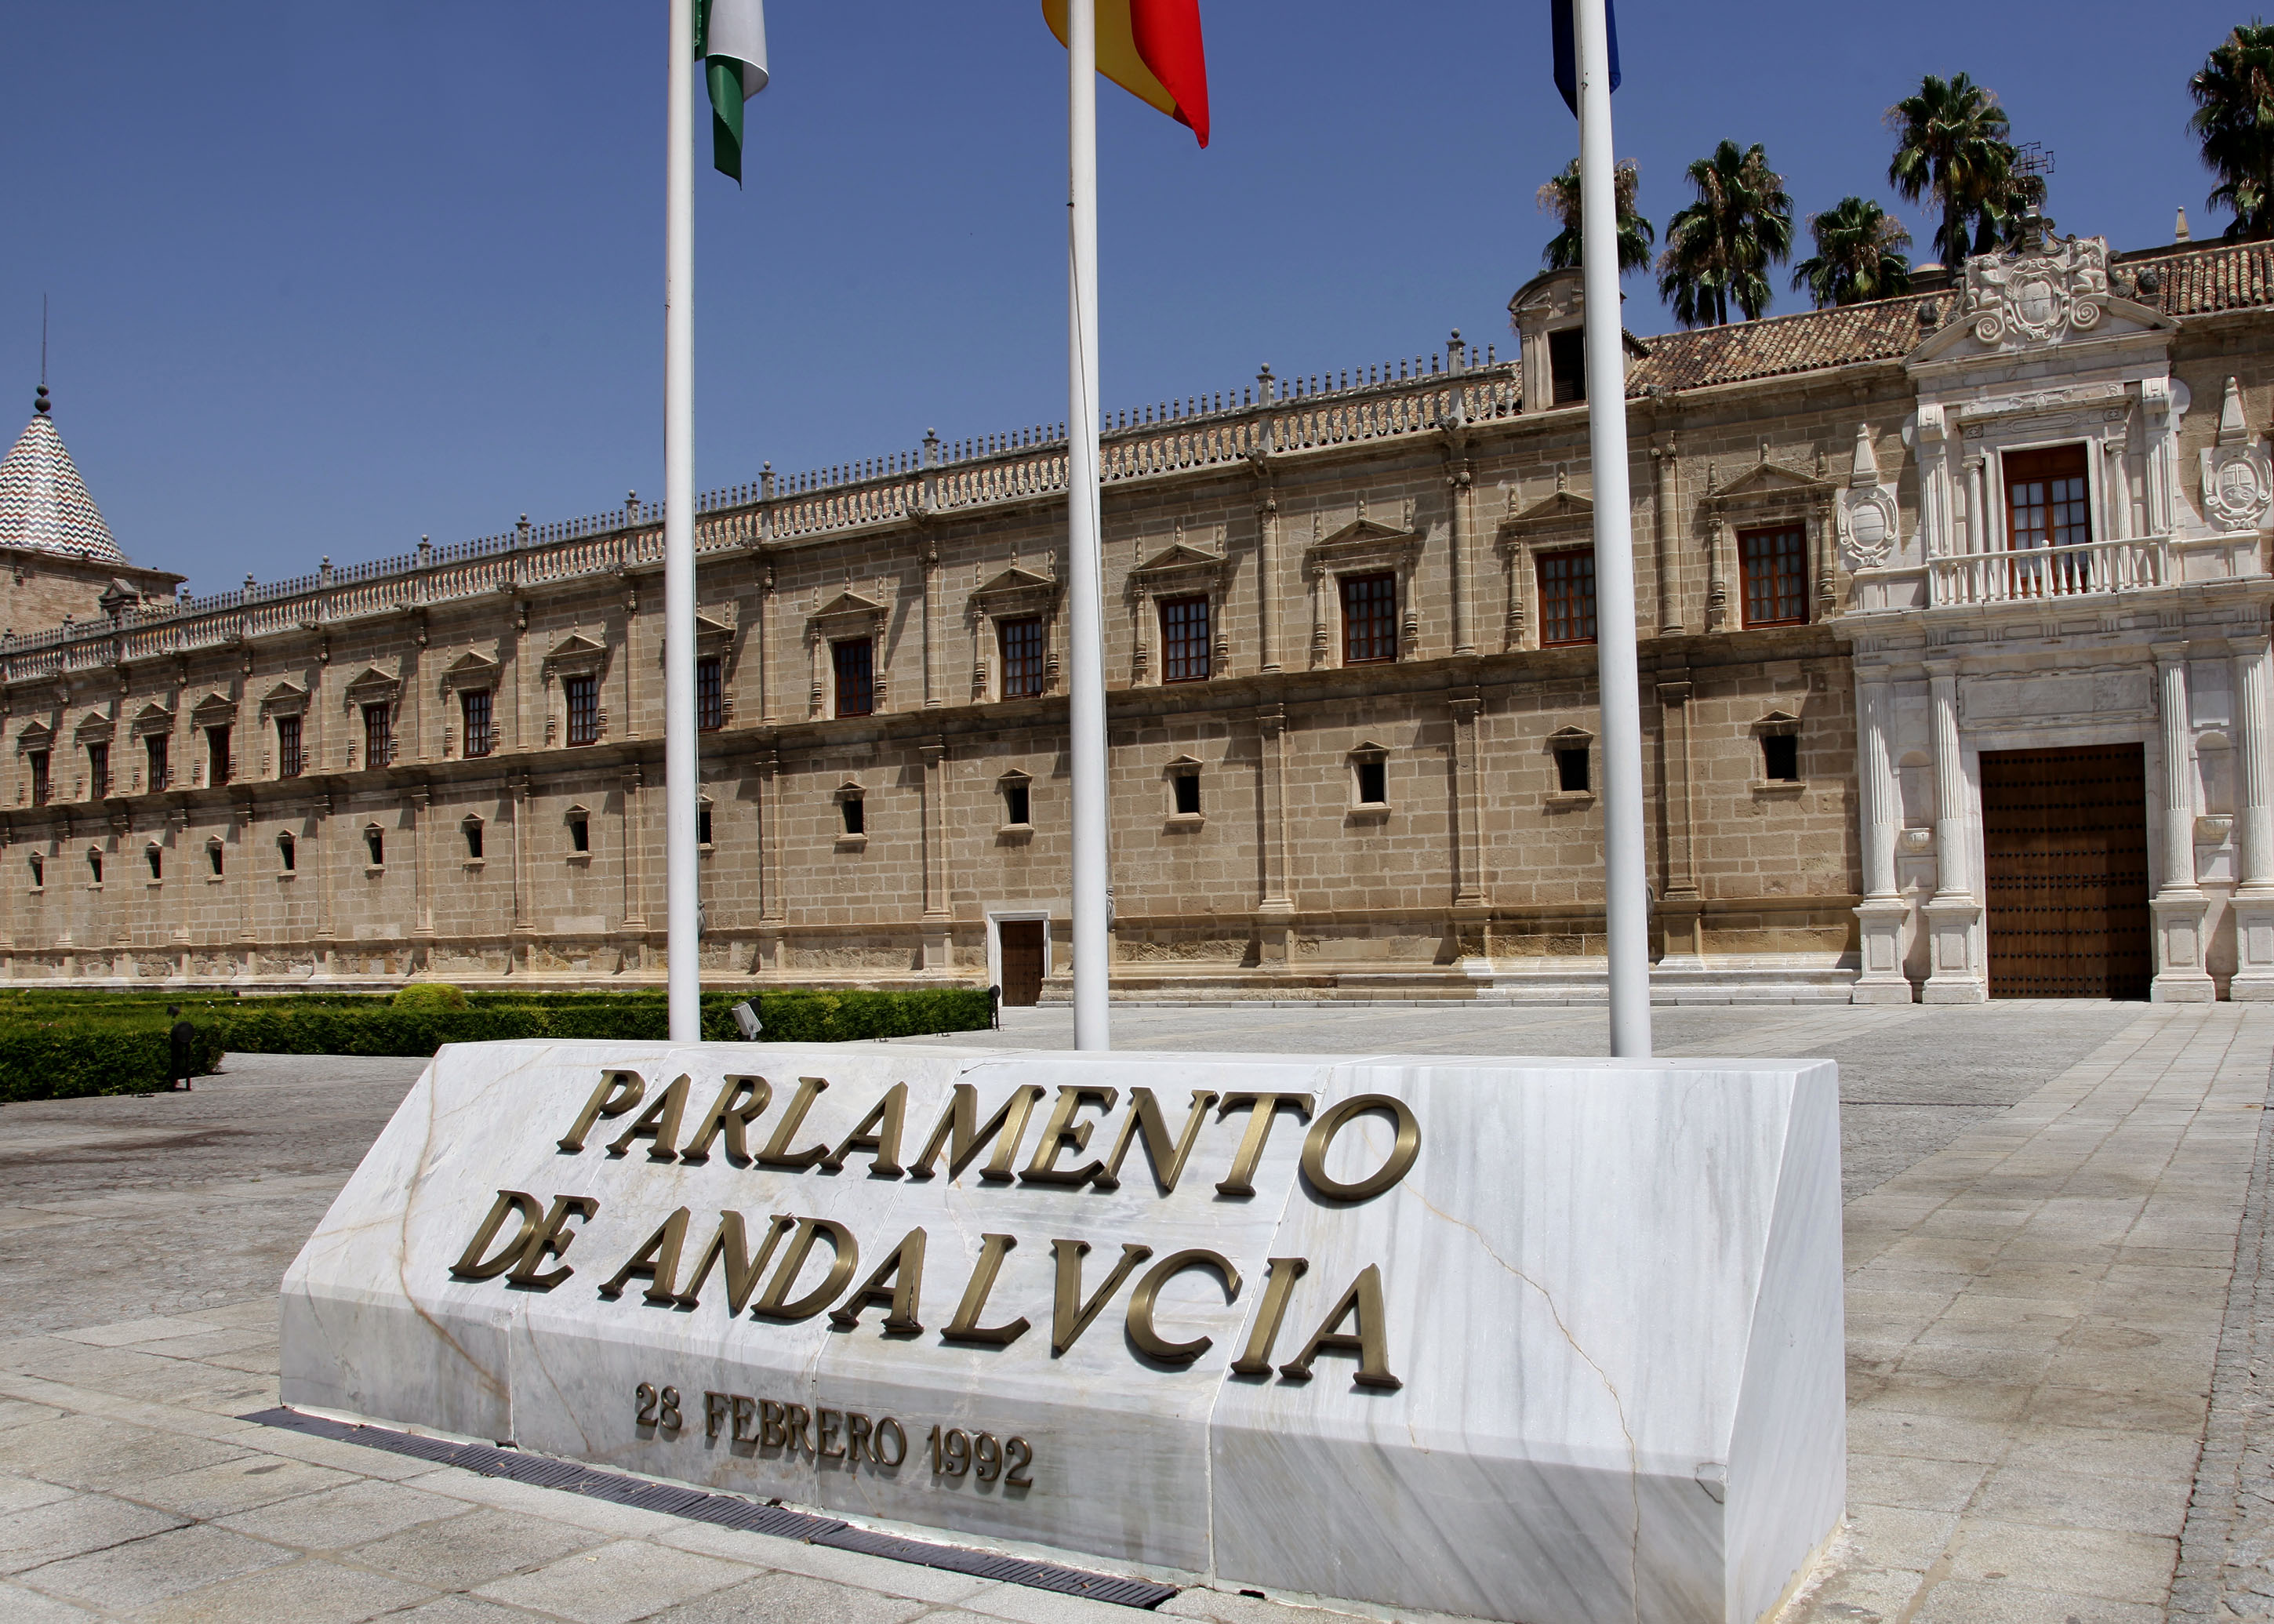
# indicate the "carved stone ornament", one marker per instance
pixel 1867 526
pixel 2019 298
pixel 2238 475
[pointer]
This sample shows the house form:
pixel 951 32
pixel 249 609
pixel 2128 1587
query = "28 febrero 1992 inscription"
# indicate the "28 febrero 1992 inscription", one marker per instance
pixel 762 1259
pixel 777 1426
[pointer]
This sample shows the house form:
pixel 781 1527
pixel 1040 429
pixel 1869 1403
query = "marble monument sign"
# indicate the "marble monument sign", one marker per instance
pixel 1553 1341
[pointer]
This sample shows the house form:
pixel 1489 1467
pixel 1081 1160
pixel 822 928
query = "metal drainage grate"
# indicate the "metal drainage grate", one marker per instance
pixel 726 1510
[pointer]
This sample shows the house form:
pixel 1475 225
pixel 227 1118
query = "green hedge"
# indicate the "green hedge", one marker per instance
pixel 67 1044
pixel 73 1056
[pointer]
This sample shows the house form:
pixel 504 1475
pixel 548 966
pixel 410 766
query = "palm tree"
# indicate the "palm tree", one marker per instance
pixel 1951 142
pixel 1562 196
pixel 1718 250
pixel 2234 119
pixel 1856 256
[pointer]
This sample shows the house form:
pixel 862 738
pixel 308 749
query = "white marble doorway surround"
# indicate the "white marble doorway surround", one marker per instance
pixel 2152 630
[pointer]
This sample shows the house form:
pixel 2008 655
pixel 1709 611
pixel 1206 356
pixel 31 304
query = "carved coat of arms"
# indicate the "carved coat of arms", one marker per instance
pixel 2024 298
pixel 2238 475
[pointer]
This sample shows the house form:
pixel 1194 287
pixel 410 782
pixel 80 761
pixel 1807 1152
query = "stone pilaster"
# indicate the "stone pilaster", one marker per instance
pixel 2179 904
pixel 773 902
pixel 1953 914
pixel 1665 494
pixel 2254 896
pixel 1275 911
pixel 1681 912
pixel 633 838
pixel 1468 811
pixel 421 802
pixel 938 920
pixel 1880 917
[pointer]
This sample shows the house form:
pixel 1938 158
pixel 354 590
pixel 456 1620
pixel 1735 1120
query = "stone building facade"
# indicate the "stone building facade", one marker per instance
pixel 1902 568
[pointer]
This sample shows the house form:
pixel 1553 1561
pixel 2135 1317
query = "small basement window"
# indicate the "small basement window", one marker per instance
pixel 472 827
pixel 1572 770
pixel 1187 788
pixel 1018 804
pixel 374 842
pixel 287 852
pixel 703 822
pixel 1780 757
pixel 580 830
pixel 854 810
pixel 157 860
pixel 214 859
pixel 38 871
pixel 1373 783
pixel 94 867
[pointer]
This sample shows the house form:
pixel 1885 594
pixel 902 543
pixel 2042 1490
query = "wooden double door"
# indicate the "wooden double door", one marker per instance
pixel 2064 872
pixel 1019 942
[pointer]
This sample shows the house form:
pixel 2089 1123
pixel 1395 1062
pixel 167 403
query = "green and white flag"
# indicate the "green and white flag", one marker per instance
pixel 730 36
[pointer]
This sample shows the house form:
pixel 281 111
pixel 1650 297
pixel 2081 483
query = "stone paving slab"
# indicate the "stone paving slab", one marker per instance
pixel 2042 1313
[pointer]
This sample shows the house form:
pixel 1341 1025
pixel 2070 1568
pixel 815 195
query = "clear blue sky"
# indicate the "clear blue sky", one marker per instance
pixel 328 277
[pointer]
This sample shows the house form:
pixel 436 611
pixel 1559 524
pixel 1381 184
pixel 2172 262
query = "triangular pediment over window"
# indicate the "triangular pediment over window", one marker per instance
pixel 575 646
pixel 1017 579
pixel 849 603
pixel 1363 533
pixel 95 725
pixel 1180 555
pixel 1562 509
pixel 154 719
pixel 214 708
pixel 1769 480
pixel 285 699
pixel 373 684
pixel 471 669
pixel 36 737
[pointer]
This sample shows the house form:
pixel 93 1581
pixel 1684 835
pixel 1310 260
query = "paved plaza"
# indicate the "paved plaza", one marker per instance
pixel 2056 1228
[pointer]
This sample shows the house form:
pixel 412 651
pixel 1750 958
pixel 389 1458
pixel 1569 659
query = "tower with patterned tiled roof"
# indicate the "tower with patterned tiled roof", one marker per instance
pixel 61 560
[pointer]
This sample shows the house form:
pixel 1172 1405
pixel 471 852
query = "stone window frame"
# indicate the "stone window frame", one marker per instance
pixel 714 639
pixel 96 728
pixel 705 823
pixel 474 830
pixel 374 846
pixel 154 853
pixel 153 721
pixel 1183 768
pixel 576 816
pixel 1745 578
pixel 844 618
pixel 217 859
pixel 215 710
pixel 1776 725
pixel 1570 737
pixel 575 655
pixel 373 686
pixel 94 867
pixel 1559 524
pixel 288 854
pixel 1367 752
pixel 39 864
pixel 1768 496
pixel 1179 570
pixel 1362 547
pixel 852 792
pixel 1018 593
pixel 286 700
pixel 36 740
pixel 1011 832
pixel 473 671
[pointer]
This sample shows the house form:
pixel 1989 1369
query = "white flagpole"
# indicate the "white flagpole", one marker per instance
pixel 1084 566
pixel 679 761
pixel 1626 882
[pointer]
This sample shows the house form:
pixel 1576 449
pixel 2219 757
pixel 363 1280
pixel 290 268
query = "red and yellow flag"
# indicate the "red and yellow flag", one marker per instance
pixel 1152 49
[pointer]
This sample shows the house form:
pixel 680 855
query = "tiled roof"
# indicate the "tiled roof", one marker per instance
pixel 2203 280
pixel 43 502
pixel 1882 330
pixel 2196 281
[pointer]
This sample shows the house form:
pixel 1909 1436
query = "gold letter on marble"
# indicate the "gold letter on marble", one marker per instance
pixel 658 1123
pixel 1278 1281
pixel 1062 1133
pixel 1142 1301
pixel 659 1259
pixel 1322 1136
pixel 961 1132
pixel 965 1327
pixel 551 1240
pixel 1167 1155
pixel 740 1099
pixel 742 1270
pixel 472 1266
pixel 1263 1110
pixel 878 1133
pixel 846 1259
pixel 1369 1342
pixel 617 1093
pixel 1070 1316
pixel 904 1269
pixel 777 1152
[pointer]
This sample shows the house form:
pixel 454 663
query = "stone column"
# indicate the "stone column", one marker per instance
pixel 1666 498
pixel 1681 911
pixel 1275 912
pixel 1267 578
pixel 421 800
pixel 1469 840
pixel 2180 905
pixel 1882 914
pixel 181 865
pixel 632 838
pixel 764 634
pixel 327 933
pixel 1955 911
pixel 516 656
pixel 932 696
pixel 117 873
pixel 411 722
pixel 1716 580
pixel 518 793
pixel 938 919
pixel 1459 483
pixel 631 727
pixel 239 876
pixel 2254 896
pixel 773 902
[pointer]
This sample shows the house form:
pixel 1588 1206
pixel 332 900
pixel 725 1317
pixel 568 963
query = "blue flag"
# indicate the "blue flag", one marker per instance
pixel 1567 50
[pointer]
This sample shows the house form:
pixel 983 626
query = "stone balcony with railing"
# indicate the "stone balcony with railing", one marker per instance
pixel 2092 569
